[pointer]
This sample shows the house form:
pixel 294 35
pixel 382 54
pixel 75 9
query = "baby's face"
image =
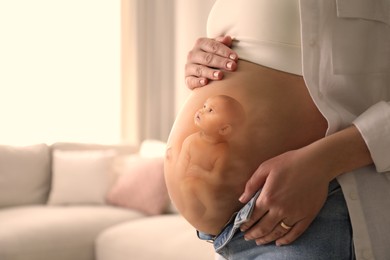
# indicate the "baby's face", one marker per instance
pixel 213 115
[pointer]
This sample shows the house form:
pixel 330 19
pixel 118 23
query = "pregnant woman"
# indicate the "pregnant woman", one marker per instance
pixel 314 110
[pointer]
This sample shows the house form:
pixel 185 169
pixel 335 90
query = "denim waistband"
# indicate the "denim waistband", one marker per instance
pixel 227 233
pixel 243 216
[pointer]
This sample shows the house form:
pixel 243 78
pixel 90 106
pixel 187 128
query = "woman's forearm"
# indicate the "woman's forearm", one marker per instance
pixel 341 152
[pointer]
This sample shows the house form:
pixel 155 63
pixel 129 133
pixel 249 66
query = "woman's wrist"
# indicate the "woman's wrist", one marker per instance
pixel 341 152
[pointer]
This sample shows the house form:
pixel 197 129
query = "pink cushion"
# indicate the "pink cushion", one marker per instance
pixel 141 186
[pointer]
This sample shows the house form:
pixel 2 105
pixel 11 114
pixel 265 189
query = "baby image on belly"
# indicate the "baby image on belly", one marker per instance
pixel 206 160
pixel 222 134
pixel 206 152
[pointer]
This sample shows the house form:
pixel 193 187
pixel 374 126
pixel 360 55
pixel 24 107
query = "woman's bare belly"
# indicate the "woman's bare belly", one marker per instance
pixel 280 116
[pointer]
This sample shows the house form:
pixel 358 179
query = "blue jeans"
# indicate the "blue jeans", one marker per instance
pixel 328 237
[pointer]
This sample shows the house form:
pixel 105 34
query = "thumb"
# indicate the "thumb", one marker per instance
pixel 227 40
pixel 255 183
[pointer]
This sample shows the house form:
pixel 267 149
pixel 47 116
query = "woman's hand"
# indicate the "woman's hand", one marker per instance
pixel 207 60
pixel 295 185
pixel 294 189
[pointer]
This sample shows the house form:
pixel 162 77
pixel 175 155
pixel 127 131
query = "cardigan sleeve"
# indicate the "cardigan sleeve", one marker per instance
pixel 374 126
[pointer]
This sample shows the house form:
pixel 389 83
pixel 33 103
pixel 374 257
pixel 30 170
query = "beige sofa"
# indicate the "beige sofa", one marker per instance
pixel 58 202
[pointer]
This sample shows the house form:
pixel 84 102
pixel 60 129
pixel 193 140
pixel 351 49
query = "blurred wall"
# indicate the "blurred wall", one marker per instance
pixel 59 71
pixel 148 72
pixel 190 24
pixel 158 35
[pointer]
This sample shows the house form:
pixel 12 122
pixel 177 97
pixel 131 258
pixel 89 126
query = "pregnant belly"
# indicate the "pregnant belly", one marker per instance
pixel 279 116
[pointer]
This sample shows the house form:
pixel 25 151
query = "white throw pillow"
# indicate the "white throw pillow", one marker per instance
pixel 81 177
pixel 24 174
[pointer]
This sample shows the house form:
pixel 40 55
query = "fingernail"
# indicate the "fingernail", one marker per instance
pixel 278 244
pixel 242 198
pixel 229 65
pixel 247 238
pixel 203 81
pixel 233 56
pixel 259 243
pixel 216 74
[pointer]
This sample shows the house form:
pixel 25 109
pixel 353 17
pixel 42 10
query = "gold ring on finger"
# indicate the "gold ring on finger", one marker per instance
pixel 285 226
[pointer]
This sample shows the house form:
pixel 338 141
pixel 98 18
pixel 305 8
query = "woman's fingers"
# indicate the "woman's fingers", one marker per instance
pixel 211 60
pixel 295 232
pixel 207 59
pixel 200 71
pixel 194 82
pixel 255 183
pixel 258 213
pixel 283 232
pixel 219 47
pixel 207 63
pixel 291 195
pixel 279 231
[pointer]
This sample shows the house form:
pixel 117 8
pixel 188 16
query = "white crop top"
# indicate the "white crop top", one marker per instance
pixel 266 32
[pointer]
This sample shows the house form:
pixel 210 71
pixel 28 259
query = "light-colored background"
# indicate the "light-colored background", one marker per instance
pixel 94 71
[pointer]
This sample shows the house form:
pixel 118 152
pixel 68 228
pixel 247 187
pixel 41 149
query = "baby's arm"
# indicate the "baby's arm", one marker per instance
pixel 184 158
pixel 220 163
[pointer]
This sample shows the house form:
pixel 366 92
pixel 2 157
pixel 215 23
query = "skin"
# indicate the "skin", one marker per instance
pixel 204 162
pixel 295 183
pixel 270 128
pixel 208 54
pixel 217 118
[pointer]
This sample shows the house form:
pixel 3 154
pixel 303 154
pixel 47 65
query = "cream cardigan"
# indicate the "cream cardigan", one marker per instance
pixel 344 51
pixel 346 66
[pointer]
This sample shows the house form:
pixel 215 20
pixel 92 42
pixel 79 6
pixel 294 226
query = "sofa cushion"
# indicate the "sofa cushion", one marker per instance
pixel 120 149
pixel 140 180
pixel 81 177
pixel 24 175
pixel 56 232
pixel 163 237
